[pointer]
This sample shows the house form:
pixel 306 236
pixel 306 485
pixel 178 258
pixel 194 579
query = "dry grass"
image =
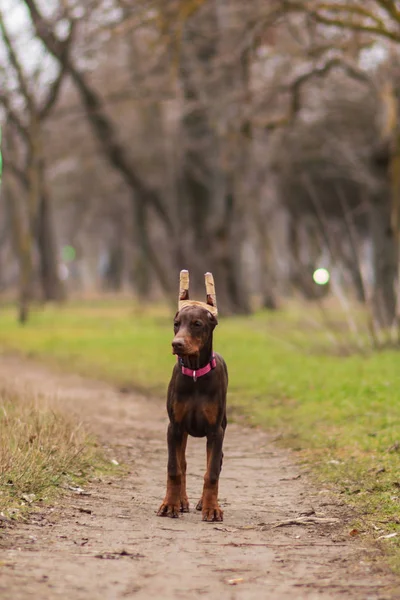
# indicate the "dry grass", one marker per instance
pixel 40 449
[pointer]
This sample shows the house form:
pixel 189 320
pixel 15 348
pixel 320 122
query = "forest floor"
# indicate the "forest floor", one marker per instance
pixel 281 536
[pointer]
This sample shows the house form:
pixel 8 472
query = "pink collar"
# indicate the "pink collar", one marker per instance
pixel 199 372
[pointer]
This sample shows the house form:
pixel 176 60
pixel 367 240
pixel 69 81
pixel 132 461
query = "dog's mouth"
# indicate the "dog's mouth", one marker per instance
pixel 185 352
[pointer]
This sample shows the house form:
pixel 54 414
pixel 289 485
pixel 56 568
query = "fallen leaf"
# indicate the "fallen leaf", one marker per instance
pixel 235 581
pixel 387 537
pixel 85 510
pixel 307 512
pixel 4 519
pixel 118 554
pixel 78 490
pixel 394 448
pixel 354 532
pixel 125 390
pixel 29 498
pixel 303 521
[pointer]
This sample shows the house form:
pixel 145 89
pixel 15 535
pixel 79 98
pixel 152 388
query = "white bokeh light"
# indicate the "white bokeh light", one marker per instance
pixel 321 276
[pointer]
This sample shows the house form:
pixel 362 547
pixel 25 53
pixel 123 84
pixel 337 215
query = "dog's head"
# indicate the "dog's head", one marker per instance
pixel 193 328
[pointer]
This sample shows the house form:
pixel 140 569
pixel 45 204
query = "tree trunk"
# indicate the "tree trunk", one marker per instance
pixel 267 271
pixel 210 203
pixel 384 221
pixel 384 261
pixel 23 246
pixel 147 260
pixel 114 274
pixel 142 269
pixel 40 209
pixel 52 288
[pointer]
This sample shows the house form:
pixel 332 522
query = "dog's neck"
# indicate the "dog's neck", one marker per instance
pixel 200 360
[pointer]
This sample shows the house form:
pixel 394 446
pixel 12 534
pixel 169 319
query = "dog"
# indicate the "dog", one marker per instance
pixel 196 402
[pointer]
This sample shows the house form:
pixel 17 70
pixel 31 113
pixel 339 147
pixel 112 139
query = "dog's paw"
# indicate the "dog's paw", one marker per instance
pixel 212 514
pixel 168 510
pixel 184 505
pixel 199 505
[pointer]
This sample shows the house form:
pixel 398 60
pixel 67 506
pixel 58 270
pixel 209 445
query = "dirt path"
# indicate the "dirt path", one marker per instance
pixel 108 544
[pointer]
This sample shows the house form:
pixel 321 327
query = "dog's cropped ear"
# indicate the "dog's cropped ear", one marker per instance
pixel 211 298
pixel 213 320
pixel 183 286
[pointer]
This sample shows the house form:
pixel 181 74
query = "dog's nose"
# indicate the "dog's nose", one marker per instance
pixel 177 346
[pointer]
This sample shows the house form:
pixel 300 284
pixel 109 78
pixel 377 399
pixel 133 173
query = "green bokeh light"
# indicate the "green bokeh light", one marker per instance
pixel 68 253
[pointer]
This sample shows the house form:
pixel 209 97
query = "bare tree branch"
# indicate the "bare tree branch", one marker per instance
pixel 24 88
pixel 13 117
pixel 389 6
pixel 343 24
pixel 350 16
pixel 295 88
pixel 351 10
pixel 55 87
pixel 19 173
pixel 101 124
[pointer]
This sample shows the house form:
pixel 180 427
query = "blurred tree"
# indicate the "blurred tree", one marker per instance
pixel 246 139
pixel 375 20
pixel 21 231
pixel 26 113
pixel 142 195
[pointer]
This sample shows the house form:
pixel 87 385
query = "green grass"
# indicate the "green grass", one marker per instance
pixel 342 414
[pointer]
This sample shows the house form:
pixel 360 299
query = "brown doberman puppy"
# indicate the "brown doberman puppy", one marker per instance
pixel 196 406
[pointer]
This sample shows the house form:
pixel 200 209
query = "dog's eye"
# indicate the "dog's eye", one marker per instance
pixel 198 323
pixel 176 324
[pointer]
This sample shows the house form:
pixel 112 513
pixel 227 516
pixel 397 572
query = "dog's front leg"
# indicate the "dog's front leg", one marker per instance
pixel 182 460
pixel 172 501
pixel 209 502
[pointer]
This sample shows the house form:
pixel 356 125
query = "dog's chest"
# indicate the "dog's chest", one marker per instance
pixel 195 414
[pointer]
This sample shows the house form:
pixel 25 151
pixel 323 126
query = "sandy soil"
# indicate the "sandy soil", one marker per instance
pixel 108 543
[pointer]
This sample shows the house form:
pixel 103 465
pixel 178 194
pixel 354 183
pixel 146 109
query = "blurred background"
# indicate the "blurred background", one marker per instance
pixel 257 140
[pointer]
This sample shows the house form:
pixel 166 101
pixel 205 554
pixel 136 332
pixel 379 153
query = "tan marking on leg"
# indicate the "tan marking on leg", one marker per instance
pixel 182 461
pixel 180 410
pixel 210 411
pixel 171 504
pixel 211 510
pixel 208 502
